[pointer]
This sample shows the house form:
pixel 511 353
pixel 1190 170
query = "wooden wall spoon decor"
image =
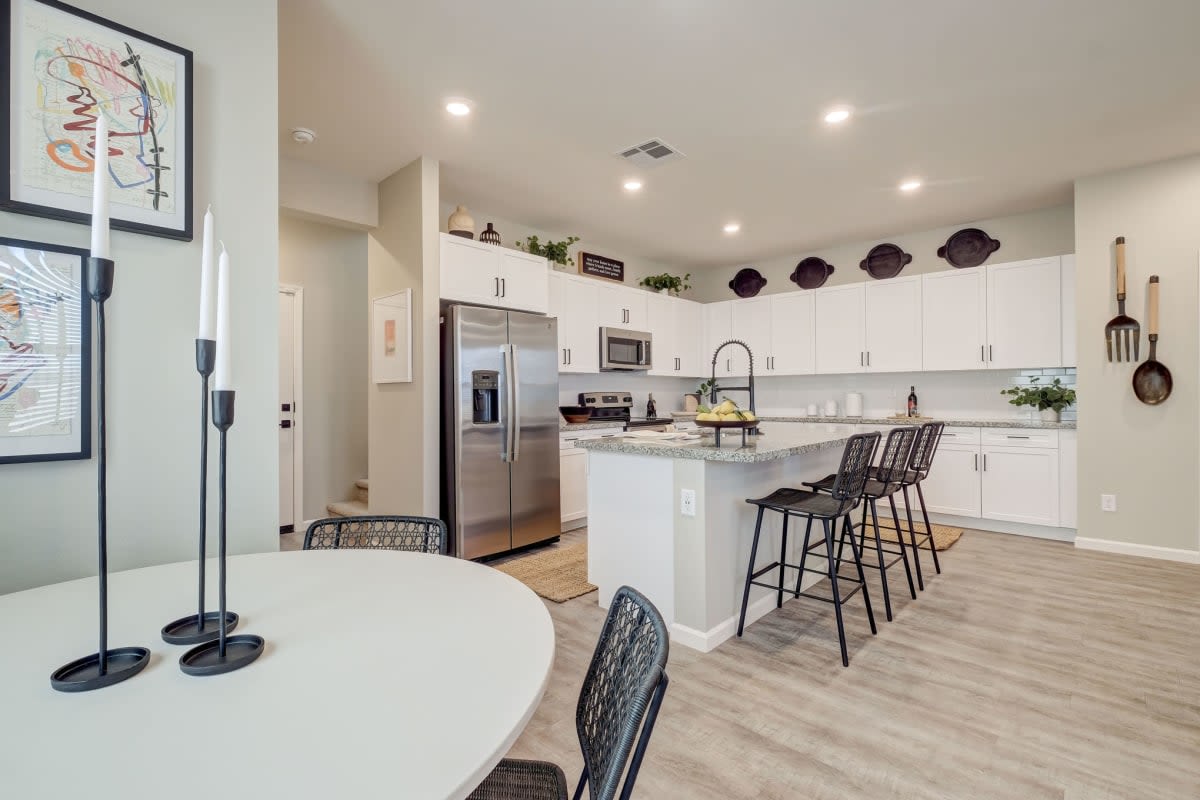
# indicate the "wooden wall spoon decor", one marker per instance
pixel 1152 381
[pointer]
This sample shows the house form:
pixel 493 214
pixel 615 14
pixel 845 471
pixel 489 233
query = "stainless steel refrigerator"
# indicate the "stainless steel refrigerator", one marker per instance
pixel 500 426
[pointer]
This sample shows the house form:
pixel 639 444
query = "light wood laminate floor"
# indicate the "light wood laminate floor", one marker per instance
pixel 1026 670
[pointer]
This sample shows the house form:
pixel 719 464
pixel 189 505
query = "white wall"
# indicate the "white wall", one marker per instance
pixel 330 264
pixel 323 195
pixel 1049 232
pixel 510 232
pixel 1149 456
pixel 403 253
pixel 49 525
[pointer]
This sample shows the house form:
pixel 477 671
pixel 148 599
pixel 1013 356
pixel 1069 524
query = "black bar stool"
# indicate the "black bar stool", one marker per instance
pixel 843 498
pixel 886 479
pixel 919 464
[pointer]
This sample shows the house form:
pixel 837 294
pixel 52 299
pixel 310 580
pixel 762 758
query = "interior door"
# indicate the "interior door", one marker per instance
pixel 534 463
pixel 954 334
pixel 287 405
pixel 840 336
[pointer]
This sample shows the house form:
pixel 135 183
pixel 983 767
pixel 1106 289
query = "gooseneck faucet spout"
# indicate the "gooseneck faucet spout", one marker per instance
pixel 749 387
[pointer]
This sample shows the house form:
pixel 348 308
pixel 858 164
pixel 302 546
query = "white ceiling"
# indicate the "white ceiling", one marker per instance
pixel 997 106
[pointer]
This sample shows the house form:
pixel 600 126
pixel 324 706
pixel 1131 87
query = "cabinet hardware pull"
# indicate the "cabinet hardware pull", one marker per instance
pixel 977 462
pixel 990 353
pixel 564 356
pixel 496 291
pixel 868 358
pixel 861 359
pixel 504 287
pixel 1016 437
pixel 985 462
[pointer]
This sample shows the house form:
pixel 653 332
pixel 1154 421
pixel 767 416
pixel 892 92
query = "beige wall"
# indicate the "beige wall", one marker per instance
pixel 49 525
pixel 1049 232
pixel 323 195
pixel 330 264
pixel 403 253
pixel 1149 456
pixel 635 267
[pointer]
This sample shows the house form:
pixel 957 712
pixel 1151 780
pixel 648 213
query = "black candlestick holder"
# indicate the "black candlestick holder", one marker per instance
pixel 226 653
pixel 201 626
pixel 104 667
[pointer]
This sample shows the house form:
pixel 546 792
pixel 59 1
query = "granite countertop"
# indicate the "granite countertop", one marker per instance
pixel 950 423
pixel 773 446
pixel 563 425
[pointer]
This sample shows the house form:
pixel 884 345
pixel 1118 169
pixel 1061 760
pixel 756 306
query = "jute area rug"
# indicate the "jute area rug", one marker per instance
pixel 559 574
pixel 944 536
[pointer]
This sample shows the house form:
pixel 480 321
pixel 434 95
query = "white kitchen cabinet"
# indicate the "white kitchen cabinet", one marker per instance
pixel 840 331
pixel 1068 479
pixel 660 322
pixel 718 328
pixel 1069 357
pixel 791 334
pixel 573 301
pixel 475 272
pixel 689 339
pixel 954 334
pixel 572 485
pixel 1020 484
pixel 621 307
pixel 1024 314
pixel 677 327
pixel 892 325
pixel 953 485
pixel 751 323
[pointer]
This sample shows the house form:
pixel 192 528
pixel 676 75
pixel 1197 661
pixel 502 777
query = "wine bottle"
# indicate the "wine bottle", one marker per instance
pixel 913 410
pixel 651 410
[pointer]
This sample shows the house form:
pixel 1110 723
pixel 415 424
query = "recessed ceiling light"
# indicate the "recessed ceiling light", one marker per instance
pixel 837 115
pixel 732 227
pixel 303 135
pixel 633 186
pixel 458 107
pixel 910 185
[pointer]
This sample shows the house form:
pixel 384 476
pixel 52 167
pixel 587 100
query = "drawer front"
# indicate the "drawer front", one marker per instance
pixel 965 436
pixel 1020 437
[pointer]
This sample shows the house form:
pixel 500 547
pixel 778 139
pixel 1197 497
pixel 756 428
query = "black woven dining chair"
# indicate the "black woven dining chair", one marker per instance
pixel 621 694
pixel 377 532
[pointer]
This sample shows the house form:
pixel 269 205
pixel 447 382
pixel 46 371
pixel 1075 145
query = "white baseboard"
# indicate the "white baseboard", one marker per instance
pixel 707 641
pixel 1140 550
pixel 1001 526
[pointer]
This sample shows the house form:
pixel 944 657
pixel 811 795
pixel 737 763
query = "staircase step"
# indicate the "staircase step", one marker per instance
pixel 351 508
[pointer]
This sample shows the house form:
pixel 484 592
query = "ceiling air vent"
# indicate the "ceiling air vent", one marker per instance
pixel 650 154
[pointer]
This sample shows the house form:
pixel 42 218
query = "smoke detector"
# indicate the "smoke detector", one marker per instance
pixel 303 135
pixel 652 153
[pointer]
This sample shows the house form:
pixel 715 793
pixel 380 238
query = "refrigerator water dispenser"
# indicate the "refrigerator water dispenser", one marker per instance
pixel 485 400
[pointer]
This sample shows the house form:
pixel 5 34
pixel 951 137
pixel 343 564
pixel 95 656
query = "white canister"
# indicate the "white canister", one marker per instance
pixel 812 409
pixel 831 408
pixel 853 404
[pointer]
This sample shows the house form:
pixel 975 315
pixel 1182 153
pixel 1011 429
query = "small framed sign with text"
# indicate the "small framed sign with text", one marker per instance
pixel 601 267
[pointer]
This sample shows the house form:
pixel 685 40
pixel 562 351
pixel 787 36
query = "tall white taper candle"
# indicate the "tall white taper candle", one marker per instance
pixel 223 371
pixel 100 247
pixel 208 311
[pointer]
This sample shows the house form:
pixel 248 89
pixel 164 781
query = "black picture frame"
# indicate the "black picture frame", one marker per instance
pixel 140 170
pixel 33 290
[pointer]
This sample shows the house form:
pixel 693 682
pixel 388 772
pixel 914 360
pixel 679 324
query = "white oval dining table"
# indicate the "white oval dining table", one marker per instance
pixel 385 675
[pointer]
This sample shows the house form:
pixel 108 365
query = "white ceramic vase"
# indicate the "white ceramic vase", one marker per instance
pixel 1050 415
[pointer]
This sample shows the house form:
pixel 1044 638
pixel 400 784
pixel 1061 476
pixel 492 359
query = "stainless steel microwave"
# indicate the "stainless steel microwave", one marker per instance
pixel 622 350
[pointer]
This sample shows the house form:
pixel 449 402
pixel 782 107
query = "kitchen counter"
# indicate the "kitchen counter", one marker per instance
pixel 563 425
pixel 773 446
pixel 950 423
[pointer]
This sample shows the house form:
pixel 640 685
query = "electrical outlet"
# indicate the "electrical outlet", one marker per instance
pixel 687 502
pixel 1108 502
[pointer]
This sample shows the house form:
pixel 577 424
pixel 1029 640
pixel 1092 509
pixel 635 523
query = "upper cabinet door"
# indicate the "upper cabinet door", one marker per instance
pixel 718 328
pixel 1069 357
pixel 792 348
pixel 840 338
pixel 1024 301
pixel 955 319
pixel 574 303
pixel 893 325
pixel 470 271
pixel 689 339
pixel 660 322
pixel 621 307
pixel 524 281
pixel 752 325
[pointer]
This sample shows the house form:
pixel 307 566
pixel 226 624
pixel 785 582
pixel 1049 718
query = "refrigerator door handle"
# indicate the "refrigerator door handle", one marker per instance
pixel 515 373
pixel 510 413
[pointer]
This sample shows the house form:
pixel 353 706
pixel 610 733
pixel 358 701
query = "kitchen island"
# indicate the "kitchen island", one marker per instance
pixel 670 518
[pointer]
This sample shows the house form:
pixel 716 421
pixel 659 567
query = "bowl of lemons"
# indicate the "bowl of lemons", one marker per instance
pixel 725 415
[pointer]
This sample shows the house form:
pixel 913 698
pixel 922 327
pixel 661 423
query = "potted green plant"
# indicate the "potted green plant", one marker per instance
pixel 554 252
pixel 667 283
pixel 1048 399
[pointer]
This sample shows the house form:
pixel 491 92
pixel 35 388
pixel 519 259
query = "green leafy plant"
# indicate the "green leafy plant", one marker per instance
pixel 673 283
pixel 551 251
pixel 1053 395
pixel 708 386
